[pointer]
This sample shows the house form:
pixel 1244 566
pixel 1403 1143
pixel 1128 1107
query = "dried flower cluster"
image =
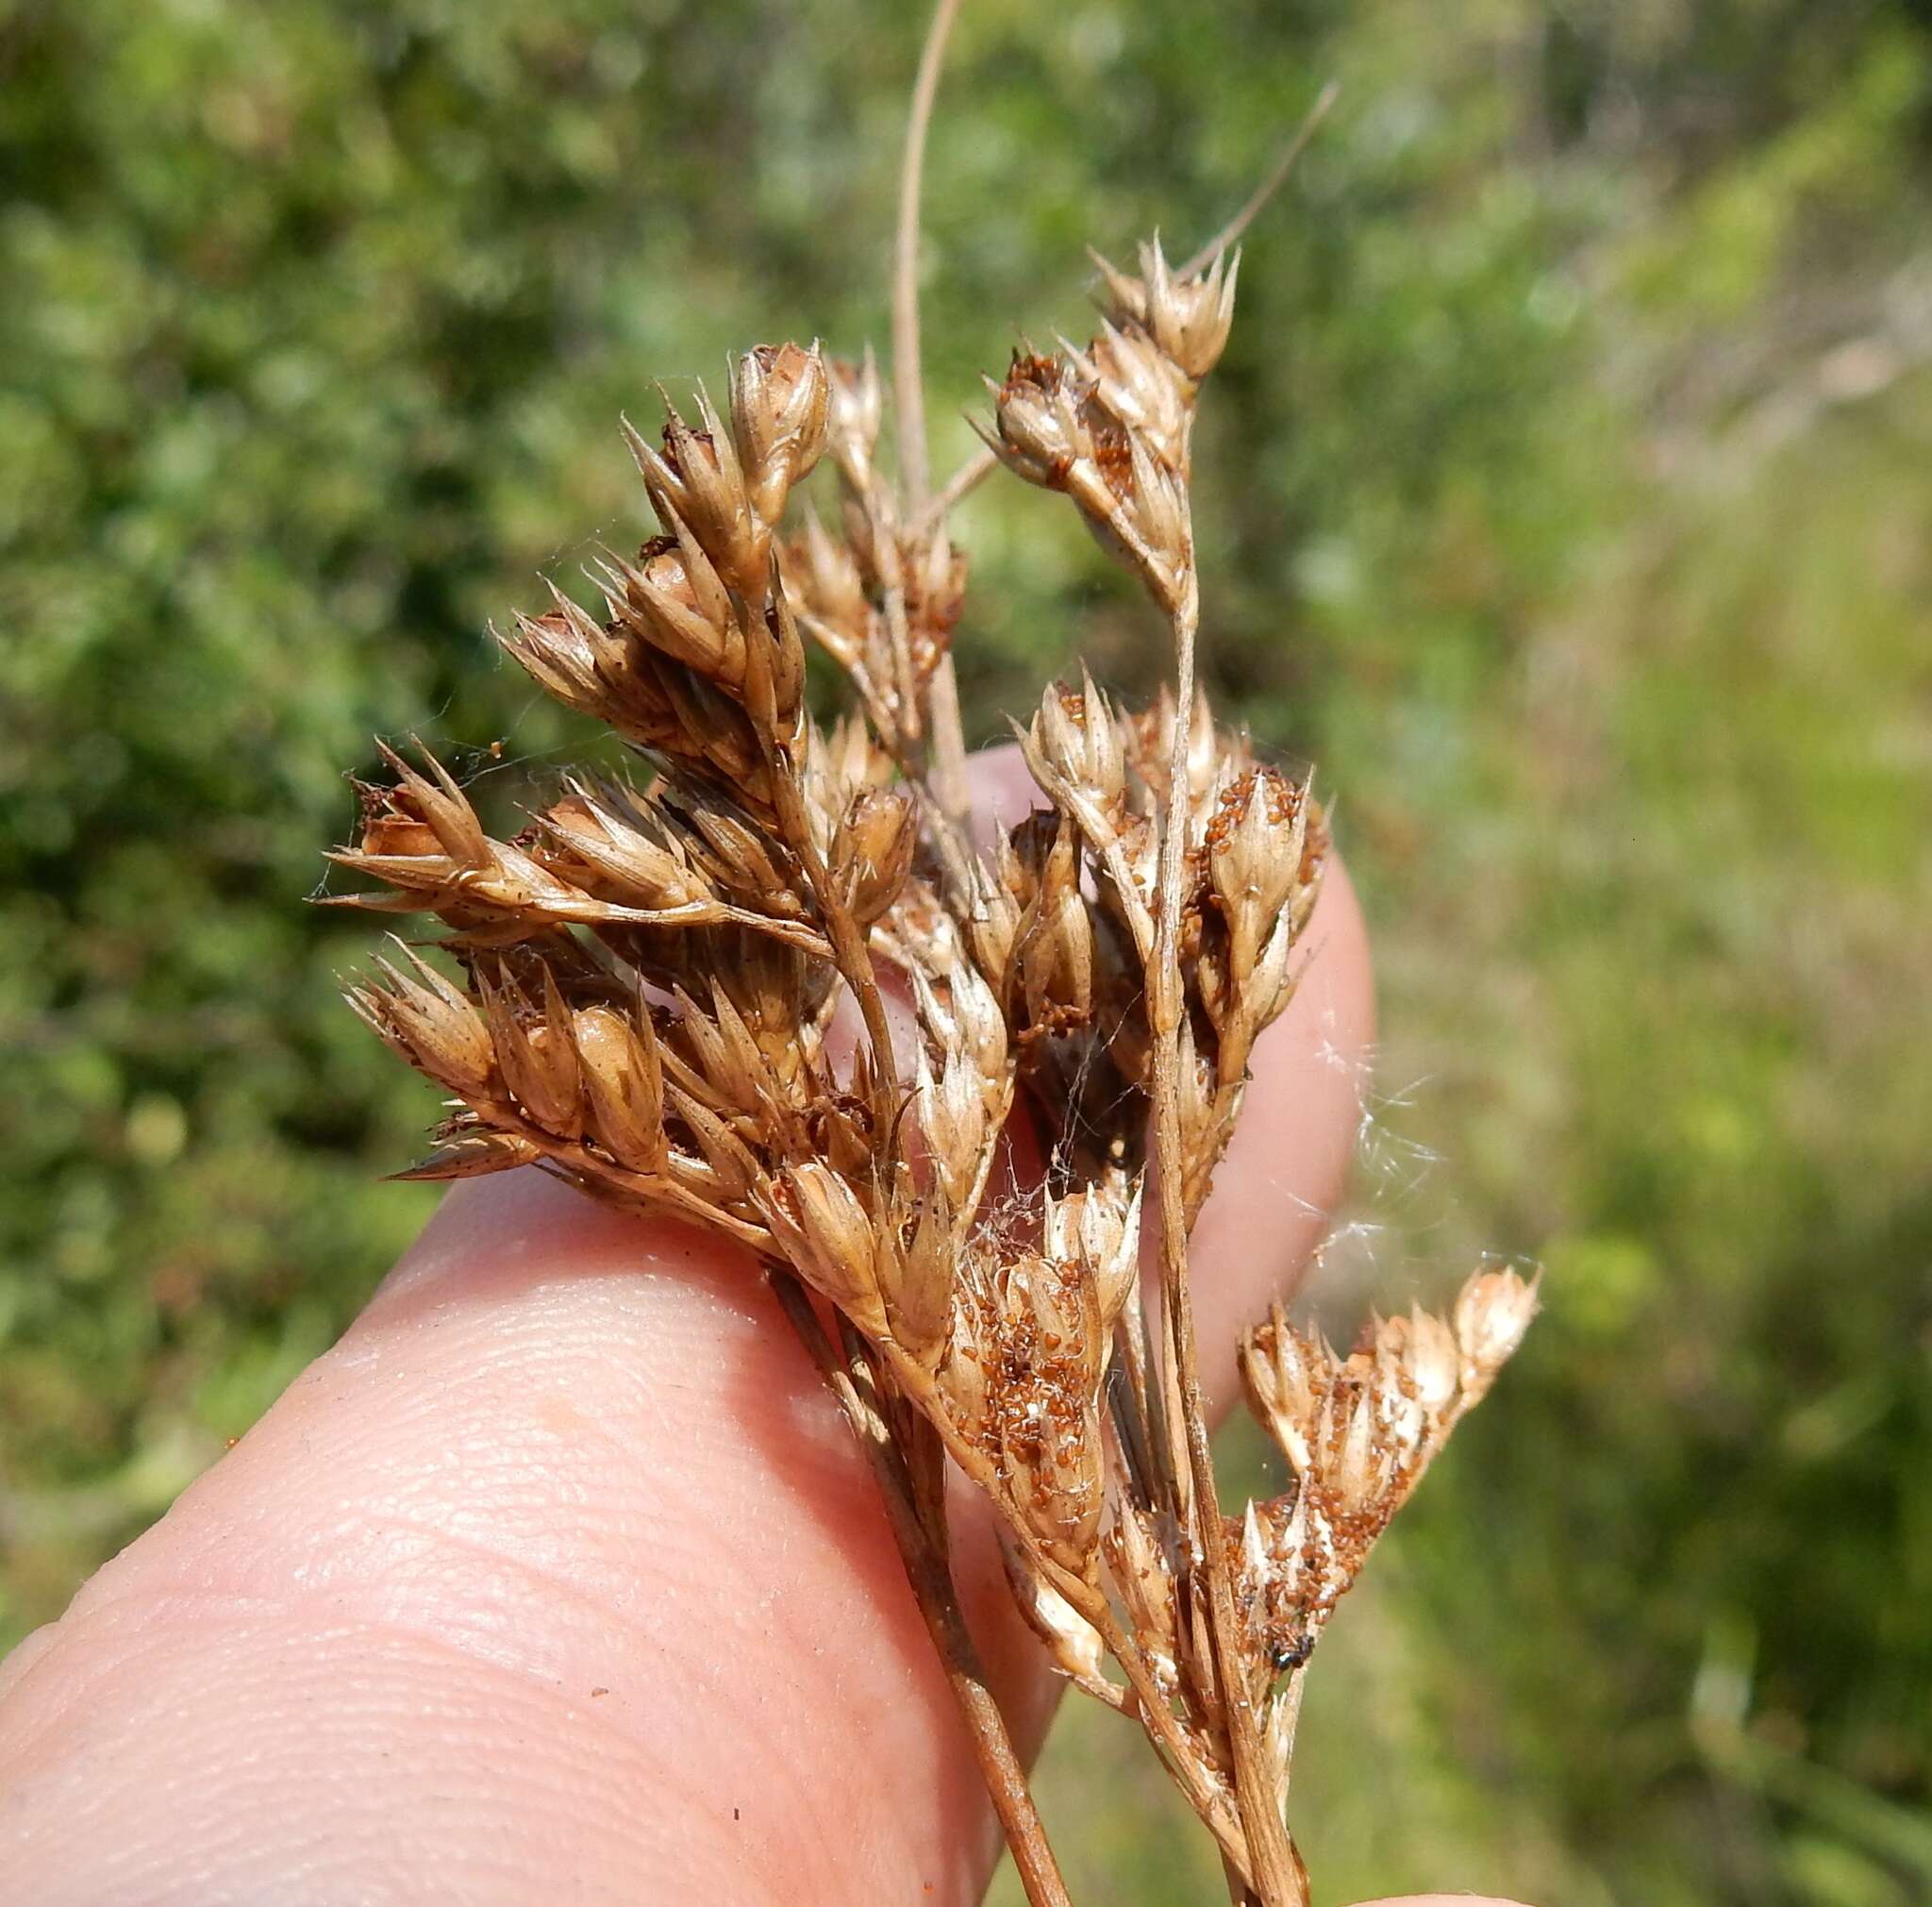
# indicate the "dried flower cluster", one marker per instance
pixel 659 981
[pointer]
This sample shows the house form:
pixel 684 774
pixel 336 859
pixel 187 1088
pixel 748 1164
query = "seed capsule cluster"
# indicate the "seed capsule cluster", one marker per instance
pixel 772 987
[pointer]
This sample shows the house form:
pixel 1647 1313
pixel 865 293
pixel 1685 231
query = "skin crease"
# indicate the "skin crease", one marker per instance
pixel 557 1580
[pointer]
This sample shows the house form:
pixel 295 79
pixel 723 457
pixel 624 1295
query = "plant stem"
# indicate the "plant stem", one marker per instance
pixel 1239 1893
pixel 931 1580
pixel 1258 198
pixel 908 393
pixel 962 482
pixel 950 785
pixel 1272 1870
pixel 1175 1752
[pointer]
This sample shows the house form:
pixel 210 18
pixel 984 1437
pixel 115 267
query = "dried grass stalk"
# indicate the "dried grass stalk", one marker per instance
pixel 647 978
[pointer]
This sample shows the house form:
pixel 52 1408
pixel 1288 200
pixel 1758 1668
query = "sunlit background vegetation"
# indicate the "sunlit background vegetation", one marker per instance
pixel 1567 497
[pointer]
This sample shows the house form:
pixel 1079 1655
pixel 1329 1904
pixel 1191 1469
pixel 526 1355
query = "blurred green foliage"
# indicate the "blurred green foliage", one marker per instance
pixel 1566 497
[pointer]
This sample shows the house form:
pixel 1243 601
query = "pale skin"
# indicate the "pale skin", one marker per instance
pixel 560 1580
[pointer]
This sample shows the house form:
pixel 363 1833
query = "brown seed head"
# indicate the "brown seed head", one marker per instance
pixel 935 583
pixel 1076 736
pixel 916 1279
pixel 695 478
pixel 1491 1314
pixel 1054 948
pixel 824 1230
pixel 1042 433
pixel 1140 387
pixel 598 840
pixel 1428 1355
pixel 828 590
pixel 778 417
pixel 1187 318
pixel 623 1085
pixel 952 1122
pixel 432 1024
pixel 1288 1376
pixel 1097 1231
pixel 1255 846
pixel 872 851
pixel 675 599
pixel 395 820
pixel 536 1050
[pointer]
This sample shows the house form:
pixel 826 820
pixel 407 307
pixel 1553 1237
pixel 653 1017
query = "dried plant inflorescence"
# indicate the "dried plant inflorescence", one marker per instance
pixel 651 979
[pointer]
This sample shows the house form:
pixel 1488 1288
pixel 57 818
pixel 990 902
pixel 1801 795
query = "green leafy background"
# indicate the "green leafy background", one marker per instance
pixel 1566 498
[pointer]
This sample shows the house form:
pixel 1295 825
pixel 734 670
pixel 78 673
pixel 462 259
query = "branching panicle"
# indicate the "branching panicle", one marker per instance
pixel 647 1002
